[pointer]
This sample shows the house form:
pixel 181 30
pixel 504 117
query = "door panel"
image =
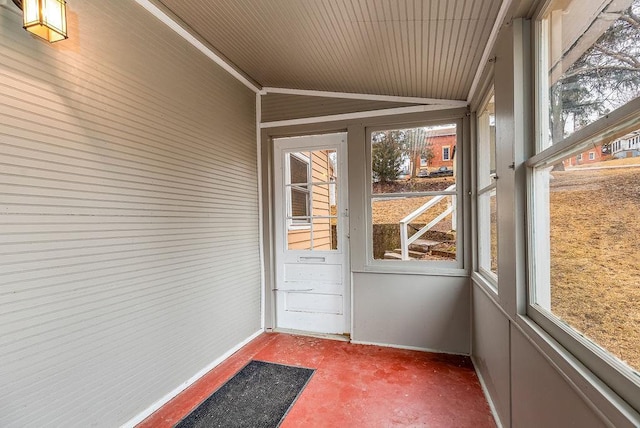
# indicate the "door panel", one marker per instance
pixel 311 224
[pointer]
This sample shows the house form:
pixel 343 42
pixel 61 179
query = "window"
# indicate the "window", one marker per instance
pixel 486 191
pixel 299 178
pixel 585 235
pixel 579 157
pixel 445 153
pixel 413 209
pixel 591 68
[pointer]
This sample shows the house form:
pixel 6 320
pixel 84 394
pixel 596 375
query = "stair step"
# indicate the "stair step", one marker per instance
pixel 425 242
pixel 423 245
pixel 390 255
pixel 441 253
pixel 412 253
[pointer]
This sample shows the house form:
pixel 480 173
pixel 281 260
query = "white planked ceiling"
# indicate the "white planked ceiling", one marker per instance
pixel 410 48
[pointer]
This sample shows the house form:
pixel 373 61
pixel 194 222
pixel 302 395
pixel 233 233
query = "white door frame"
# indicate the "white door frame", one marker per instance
pixel 310 143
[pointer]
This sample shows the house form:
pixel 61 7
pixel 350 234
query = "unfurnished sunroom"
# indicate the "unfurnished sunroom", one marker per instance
pixel 180 178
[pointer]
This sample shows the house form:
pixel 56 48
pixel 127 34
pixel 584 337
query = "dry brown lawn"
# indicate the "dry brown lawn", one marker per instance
pixel 595 256
pixel 391 211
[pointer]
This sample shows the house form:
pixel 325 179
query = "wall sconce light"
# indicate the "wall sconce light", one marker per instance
pixel 45 18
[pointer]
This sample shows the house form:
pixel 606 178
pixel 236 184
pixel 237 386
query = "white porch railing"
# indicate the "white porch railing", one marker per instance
pixel 406 240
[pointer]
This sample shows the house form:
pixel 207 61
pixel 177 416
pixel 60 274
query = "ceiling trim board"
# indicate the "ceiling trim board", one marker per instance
pixel 368 97
pixel 502 13
pixel 176 24
pixel 358 115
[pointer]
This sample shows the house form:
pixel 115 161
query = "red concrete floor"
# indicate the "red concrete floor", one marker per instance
pixel 354 386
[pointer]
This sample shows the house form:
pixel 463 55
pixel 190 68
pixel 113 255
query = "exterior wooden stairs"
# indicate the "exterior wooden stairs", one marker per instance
pixel 421 249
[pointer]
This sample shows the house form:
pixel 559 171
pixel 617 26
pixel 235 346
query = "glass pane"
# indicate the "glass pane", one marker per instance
pixel 323 169
pixel 324 235
pixel 298 187
pixel 413 160
pixel 299 238
pixel 592 55
pixel 435 242
pixel 494 232
pixel 299 168
pixel 486 145
pixel 588 242
pixel 312 201
pixel 324 201
pixel 488 231
pixel 299 202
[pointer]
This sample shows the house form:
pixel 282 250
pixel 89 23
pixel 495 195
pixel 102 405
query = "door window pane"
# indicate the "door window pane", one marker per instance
pixel 299 202
pixel 312 204
pixel 298 188
pixel 323 235
pixel 299 169
pixel 323 205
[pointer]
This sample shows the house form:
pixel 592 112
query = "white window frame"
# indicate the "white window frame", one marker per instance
pixel 448 151
pixel 297 225
pixel 454 268
pixel 579 157
pixel 483 153
pixel 619 377
pixel 592 155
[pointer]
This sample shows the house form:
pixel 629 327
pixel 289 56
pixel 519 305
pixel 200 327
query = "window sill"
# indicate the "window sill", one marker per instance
pixel 414 270
pixel 487 284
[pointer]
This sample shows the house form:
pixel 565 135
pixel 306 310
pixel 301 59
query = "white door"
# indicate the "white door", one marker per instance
pixel 312 272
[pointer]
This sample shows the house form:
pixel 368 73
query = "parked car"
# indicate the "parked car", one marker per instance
pixel 403 174
pixel 443 171
pixel 423 173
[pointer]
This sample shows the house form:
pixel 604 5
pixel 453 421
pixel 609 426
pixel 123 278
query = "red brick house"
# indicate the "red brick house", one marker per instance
pixel 592 155
pixel 442 143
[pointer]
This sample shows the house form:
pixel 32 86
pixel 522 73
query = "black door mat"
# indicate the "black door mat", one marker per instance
pixel 259 395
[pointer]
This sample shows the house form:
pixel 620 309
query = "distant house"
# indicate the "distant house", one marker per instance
pixel 442 143
pixel 590 156
pixel 627 146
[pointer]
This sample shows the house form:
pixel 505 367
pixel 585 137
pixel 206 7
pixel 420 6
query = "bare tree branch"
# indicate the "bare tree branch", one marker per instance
pixel 597 70
pixel 620 56
pixel 632 19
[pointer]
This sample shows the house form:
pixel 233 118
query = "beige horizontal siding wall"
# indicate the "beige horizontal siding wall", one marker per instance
pixel 129 255
pixel 284 106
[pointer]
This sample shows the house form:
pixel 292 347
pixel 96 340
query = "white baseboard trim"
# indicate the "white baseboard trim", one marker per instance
pixel 486 394
pixel 410 348
pixel 164 400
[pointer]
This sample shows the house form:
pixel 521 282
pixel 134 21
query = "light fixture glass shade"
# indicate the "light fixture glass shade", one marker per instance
pixel 46 18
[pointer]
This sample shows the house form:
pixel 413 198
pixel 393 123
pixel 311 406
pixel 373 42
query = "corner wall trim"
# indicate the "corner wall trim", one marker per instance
pixel 263 282
pixel 502 13
pixel 358 115
pixel 483 385
pixel 164 400
pixel 173 22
